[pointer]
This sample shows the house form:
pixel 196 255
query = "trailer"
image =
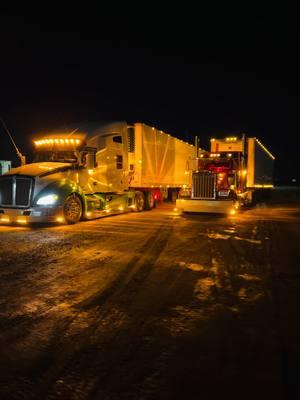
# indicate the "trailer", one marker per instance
pixel 95 170
pixel 236 172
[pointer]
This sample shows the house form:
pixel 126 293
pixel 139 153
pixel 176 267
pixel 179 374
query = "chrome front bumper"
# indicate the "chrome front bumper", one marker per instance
pixel 31 215
pixel 207 206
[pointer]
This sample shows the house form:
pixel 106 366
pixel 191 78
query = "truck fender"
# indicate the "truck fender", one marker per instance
pixel 62 189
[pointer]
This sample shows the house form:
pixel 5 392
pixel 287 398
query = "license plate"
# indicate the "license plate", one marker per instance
pixel 223 193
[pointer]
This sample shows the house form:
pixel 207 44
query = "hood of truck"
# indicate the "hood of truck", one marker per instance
pixel 40 169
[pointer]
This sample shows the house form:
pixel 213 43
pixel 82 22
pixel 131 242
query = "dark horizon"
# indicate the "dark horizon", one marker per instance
pixel 209 73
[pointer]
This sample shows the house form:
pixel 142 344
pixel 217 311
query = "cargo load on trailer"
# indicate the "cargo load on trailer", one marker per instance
pixel 235 172
pixel 95 170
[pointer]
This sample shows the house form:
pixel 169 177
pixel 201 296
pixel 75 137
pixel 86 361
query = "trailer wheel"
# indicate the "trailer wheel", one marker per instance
pixel 72 209
pixel 149 200
pixel 139 202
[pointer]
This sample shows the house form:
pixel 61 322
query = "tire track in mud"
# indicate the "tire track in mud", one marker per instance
pixel 285 295
pixel 234 324
pixel 109 322
pixel 246 290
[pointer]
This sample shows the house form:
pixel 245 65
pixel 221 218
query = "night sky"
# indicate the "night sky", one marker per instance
pixel 188 71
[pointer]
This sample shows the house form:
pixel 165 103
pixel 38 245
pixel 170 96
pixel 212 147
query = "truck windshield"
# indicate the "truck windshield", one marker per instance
pixel 56 156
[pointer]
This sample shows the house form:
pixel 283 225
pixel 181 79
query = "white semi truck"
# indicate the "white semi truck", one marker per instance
pixel 235 172
pixel 93 171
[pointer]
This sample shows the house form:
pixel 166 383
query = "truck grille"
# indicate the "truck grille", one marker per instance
pixel 204 186
pixel 15 191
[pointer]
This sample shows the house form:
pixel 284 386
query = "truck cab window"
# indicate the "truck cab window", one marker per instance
pixel 117 139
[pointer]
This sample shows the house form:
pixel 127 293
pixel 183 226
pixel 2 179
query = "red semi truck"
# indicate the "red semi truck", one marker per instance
pixel 235 172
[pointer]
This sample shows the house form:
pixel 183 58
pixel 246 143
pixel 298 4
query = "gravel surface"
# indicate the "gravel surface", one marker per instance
pixel 153 305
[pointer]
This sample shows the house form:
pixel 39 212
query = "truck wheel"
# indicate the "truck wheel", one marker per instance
pixel 149 200
pixel 139 202
pixel 72 209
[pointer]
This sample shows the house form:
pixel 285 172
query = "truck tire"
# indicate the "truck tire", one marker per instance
pixel 139 202
pixel 149 200
pixel 72 209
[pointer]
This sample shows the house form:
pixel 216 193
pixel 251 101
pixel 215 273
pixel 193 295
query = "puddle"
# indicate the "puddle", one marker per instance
pixel 192 266
pixel 218 236
pixel 248 295
pixel 229 231
pixel 203 287
pixel 248 240
pixel 248 277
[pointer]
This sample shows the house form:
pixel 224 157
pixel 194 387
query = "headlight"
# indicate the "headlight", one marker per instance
pixel 47 200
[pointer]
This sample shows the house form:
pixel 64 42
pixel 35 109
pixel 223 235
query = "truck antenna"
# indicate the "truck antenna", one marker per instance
pixel 71 133
pixel 20 155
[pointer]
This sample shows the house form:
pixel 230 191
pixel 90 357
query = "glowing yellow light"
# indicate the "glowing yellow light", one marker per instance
pixel 264 186
pixel 22 221
pixel 77 141
pixel 244 173
pixel 153 128
pixel 175 209
pixel 59 219
pixel 232 211
pixel 90 171
pixel 56 140
pixel 4 219
pixel 107 210
pixel 212 140
pixel 67 141
pixel 72 141
pixel 88 214
pixel 51 141
pixel 229 154
pixel 61 141
pixel 186 172
pixel 201 155
pixel 121 208
pixel 140 161
pixel 265 149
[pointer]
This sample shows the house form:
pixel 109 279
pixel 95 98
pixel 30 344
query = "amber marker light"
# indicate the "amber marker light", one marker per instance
pixel 59 219
pixel 4 219
pixel 21 221
pixel 232 211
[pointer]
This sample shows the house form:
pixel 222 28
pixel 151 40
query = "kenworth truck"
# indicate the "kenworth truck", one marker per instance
pixel 235 172
pixel 93 171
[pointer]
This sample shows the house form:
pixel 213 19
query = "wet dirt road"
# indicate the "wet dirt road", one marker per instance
pixel 152 305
